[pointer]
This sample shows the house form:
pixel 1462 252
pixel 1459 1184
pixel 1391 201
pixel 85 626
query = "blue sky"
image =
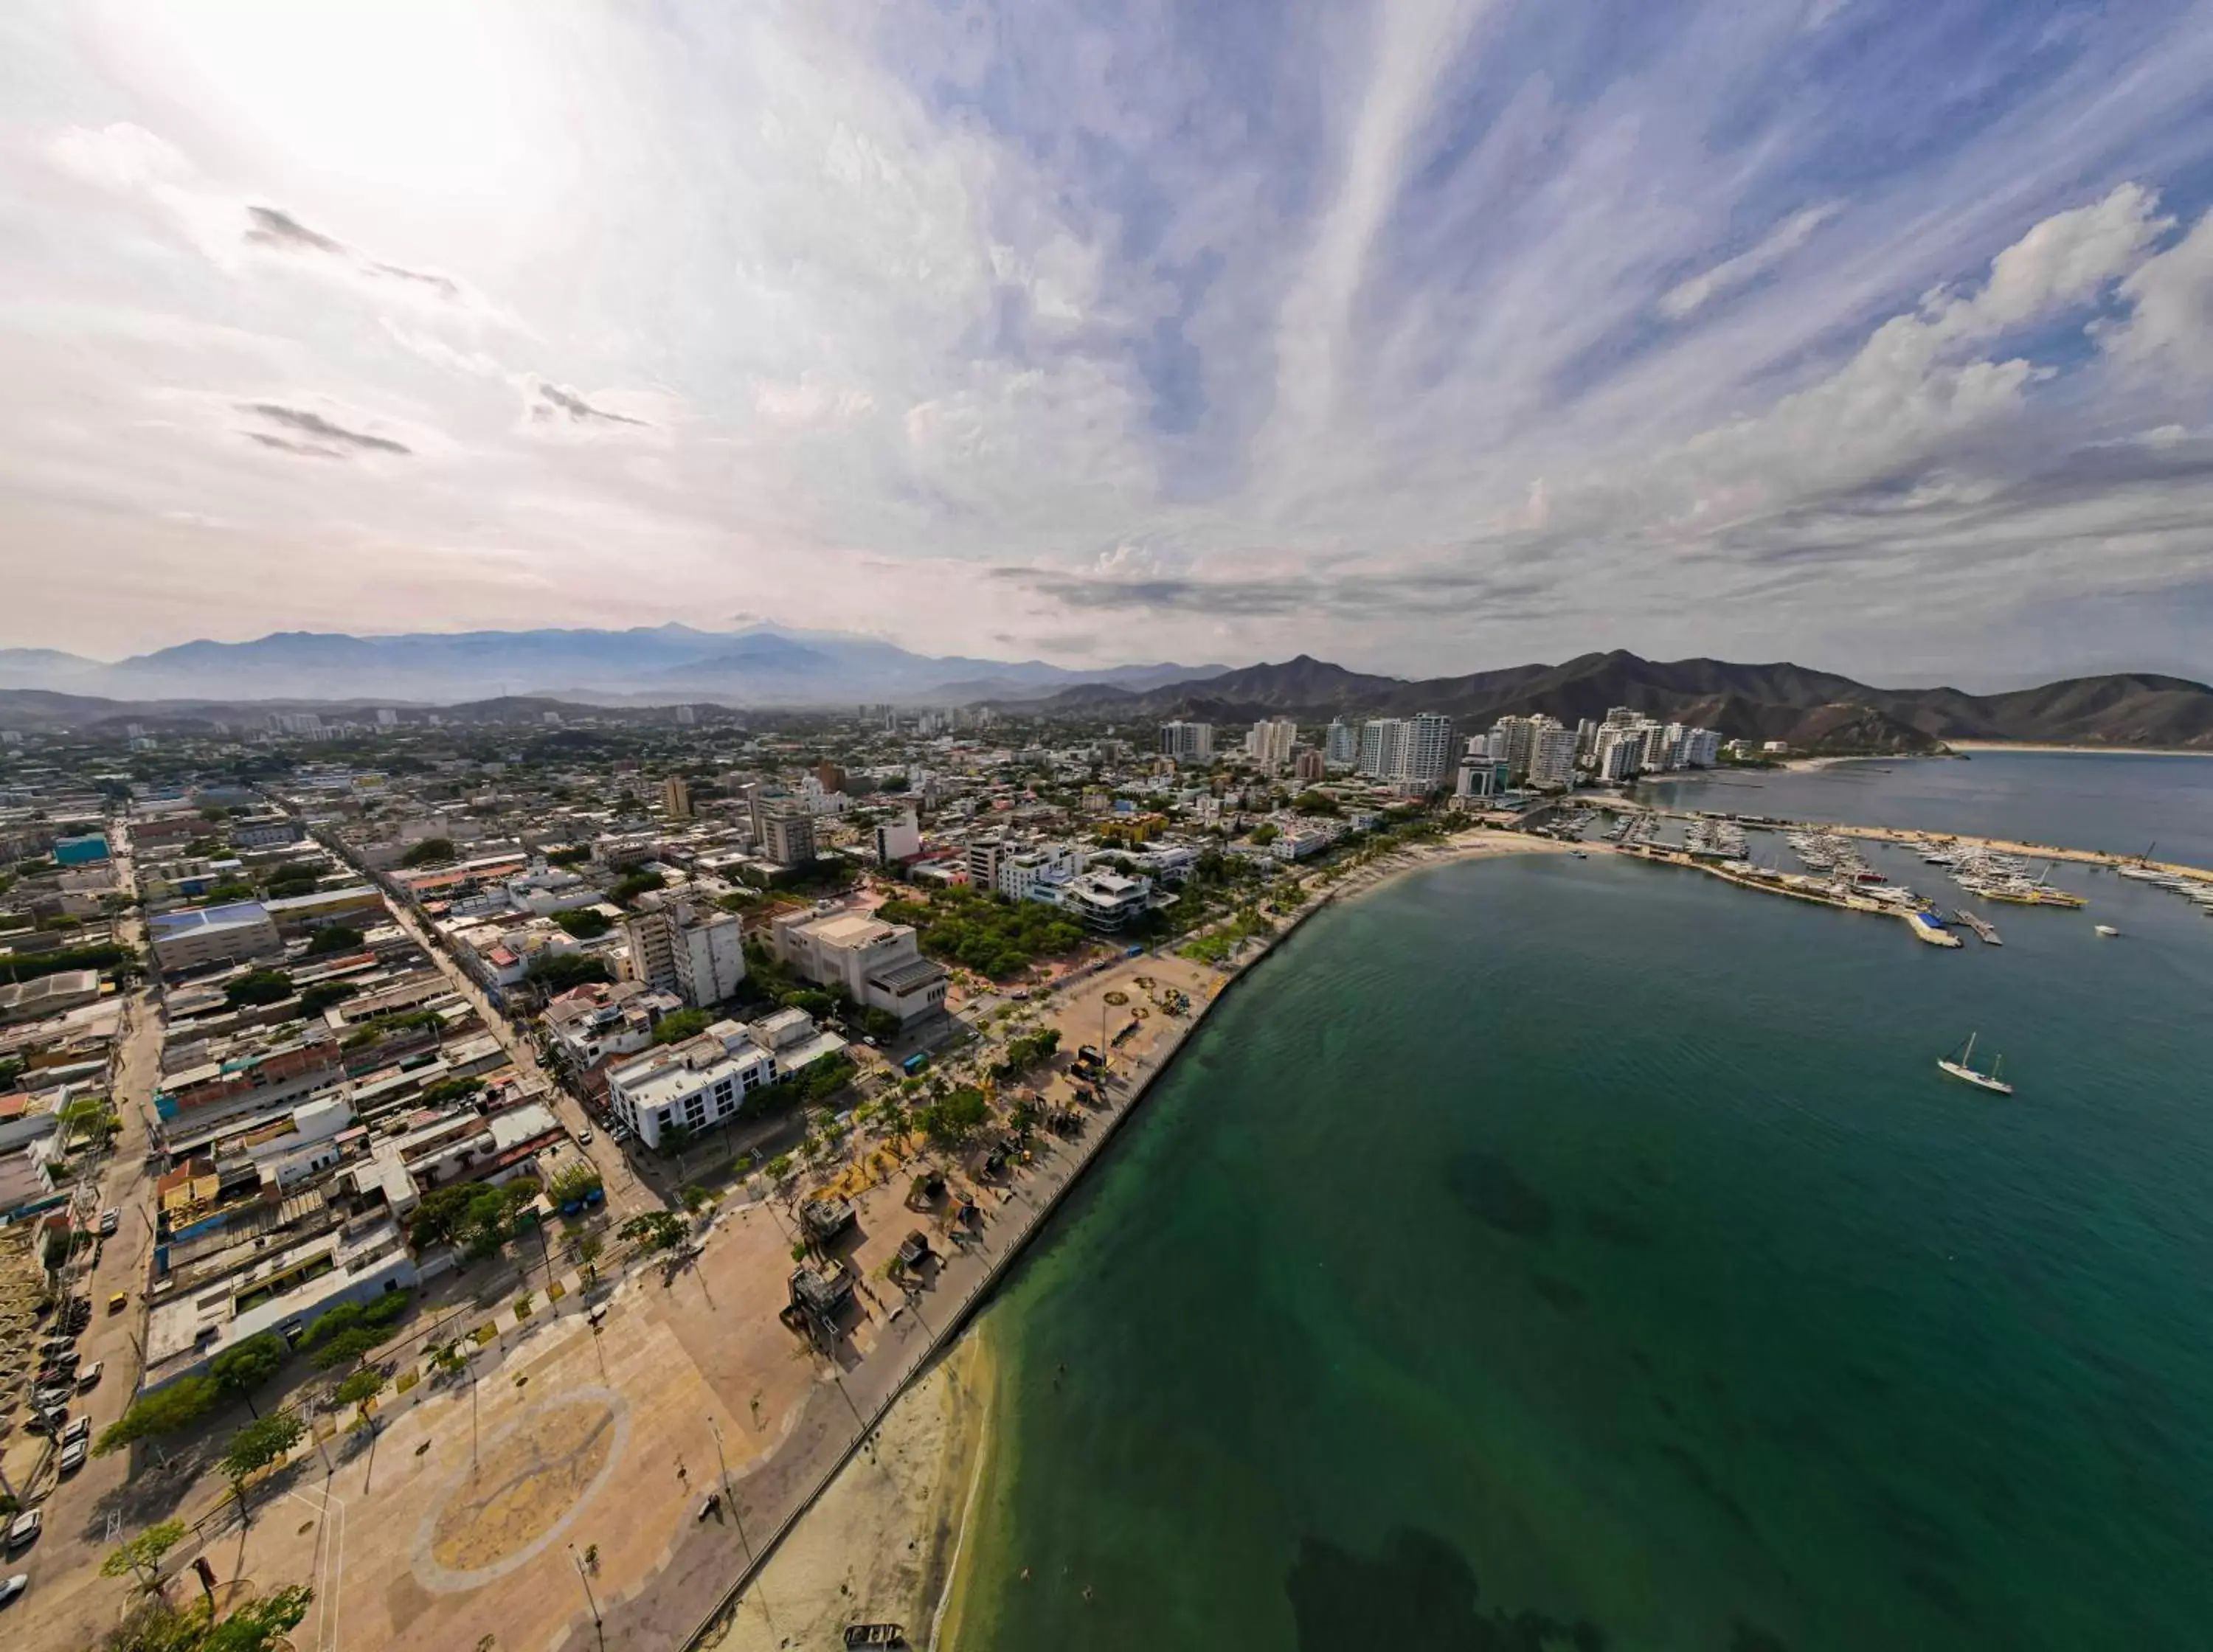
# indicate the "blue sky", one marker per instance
pixel 1428 335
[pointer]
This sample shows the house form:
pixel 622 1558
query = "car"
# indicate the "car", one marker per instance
pixel 50 1399
pixel 73 1456
pixel 13 1587
pixel 89 1378
pixel 24 1529
pixel 80 1429
pixel 109 1220
pixel 584 1136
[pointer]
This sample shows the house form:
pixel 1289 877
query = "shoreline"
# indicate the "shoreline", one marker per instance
pixel 931 1510
pixel 2054 748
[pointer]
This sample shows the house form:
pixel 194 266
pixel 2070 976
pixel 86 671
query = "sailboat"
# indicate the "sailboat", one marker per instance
pixel 1962 1065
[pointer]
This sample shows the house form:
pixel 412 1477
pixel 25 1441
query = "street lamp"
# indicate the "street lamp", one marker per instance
pixel 728 1497
pixel 584 1577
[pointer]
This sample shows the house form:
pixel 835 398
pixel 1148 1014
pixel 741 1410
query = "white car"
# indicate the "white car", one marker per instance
pixel 109 1220
pixel 14 1586
pixel 25 1528
pixel 73 1456
pixel 584 1136
pixel 79 1430
pixel 89 1378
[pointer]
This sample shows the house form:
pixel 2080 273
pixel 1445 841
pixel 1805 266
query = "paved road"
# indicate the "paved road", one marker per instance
pixel 626 1192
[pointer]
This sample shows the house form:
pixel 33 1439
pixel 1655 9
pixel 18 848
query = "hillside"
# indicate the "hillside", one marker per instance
pixel 1814 710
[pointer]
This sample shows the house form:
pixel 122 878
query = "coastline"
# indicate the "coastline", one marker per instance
pixel 2055 749
pixel 911 1503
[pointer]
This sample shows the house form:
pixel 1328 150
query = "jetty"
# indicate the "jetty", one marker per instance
pixel 1985 931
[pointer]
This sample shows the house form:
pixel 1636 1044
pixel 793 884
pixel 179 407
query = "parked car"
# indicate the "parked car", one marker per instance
pixel 584 1136
pixel 73 1456
pixel 89 1378
pixel 47 1419
pixel 48 1399
pixel 24 1529
pixel 13 1587
pixel 109 1220
pixel 80 1429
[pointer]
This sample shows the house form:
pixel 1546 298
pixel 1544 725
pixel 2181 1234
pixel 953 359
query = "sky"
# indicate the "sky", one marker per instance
pixel 1426 336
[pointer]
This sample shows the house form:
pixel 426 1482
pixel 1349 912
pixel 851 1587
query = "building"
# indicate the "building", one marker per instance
pixel 685 717
pixel 1022 871
pixel 696 952
pixel 981 861
pixel 875 964
pixel 898 839
pixel 1511 740
pixel 47 995
pixel 200 935
pixel 87 850
pixel 1187 742
pixel 1268 743
pixel 830 777
pixel 697 1084
pixel 600 1022
pixel 1100 899
pixel 387 719
pixel 676 798
pixel 1702 748
pixel 1552 755
pixel 1480 776
pixel 1340 745
pixel 1415 749
pixel 1309 765
pixel 787 835
pixel 1382 746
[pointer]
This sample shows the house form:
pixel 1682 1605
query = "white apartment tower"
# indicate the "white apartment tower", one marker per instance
pixel 694 952
pixel 1187 742
pixel 1269 744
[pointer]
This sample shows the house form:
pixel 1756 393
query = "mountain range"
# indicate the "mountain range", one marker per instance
pixel 1812 710
pixel 757 665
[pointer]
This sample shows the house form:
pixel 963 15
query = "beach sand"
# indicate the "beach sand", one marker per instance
pixel 879 1544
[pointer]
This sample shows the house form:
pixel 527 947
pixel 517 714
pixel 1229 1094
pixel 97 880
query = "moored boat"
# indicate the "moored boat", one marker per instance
pixel 1962 1066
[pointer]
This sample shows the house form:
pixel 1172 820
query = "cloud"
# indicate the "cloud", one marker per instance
pixel 554 402
pixel 1747 266
pixel 2170 323
pixel 271 227
pixel 325 431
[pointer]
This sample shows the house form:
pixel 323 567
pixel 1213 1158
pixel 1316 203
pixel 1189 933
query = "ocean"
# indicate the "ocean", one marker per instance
pixel 1553 1253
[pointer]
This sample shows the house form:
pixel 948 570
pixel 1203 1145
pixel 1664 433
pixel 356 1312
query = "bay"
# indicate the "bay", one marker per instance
pixel 1555 1252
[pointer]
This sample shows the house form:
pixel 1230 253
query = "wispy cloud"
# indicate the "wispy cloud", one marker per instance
pixel 1419 334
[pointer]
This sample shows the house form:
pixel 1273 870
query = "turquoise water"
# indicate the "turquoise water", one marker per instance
pixel 1576 1254
pixel 2118 802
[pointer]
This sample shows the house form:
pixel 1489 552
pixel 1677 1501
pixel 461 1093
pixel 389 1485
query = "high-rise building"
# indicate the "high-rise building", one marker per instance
pixel 1340 744
pixel 1187 742
pixel 1382 746
pixel 387 719
pixel 1269 744
pixel 1702 748
pixel 1309 765
pixel 676 798
pixel 1551 754
pixel 1511 739
pixel 695 952
pixel 829 775
pixel 685 717
pixel 1586 738
pixel 1429 760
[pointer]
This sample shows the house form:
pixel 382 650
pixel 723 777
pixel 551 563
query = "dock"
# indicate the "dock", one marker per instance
pixel 1985 931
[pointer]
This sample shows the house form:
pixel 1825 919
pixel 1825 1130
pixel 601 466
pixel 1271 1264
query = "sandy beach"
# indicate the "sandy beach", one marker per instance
pixel 2101 751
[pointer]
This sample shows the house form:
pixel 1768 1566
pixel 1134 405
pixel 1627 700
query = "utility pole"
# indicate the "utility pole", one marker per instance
pixel 728 1497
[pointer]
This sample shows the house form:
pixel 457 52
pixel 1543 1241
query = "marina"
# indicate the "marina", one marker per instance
pixel 1835 868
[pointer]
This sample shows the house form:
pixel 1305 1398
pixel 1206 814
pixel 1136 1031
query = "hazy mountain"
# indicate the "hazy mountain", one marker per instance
pixel 1814 711
pixel 760 665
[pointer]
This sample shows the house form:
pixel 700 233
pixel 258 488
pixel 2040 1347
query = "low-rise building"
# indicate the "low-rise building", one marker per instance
pixel 698 1084
pixel 875 964
pixel 199 936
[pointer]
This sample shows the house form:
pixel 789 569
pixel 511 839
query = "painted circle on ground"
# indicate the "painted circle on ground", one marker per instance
pixel 528 1483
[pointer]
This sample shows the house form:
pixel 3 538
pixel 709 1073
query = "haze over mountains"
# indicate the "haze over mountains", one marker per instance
pixel 759 664
pixel 494 672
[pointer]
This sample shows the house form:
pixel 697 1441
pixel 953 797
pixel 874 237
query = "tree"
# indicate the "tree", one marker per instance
pixel 556 973
pixel 165 1411
pixel 256 1445
pixel 654 1230
pixel 242 1369
pixel 141 1556
pixel 1261 836
pixel 573 1184
pixel 258 986
pixel 451 1090
pixel 358 1390
pixel 684 1024
pixel 321 996
pixel 954 1120
pixel 335 937
pixel 585 922
pixel 432 851
pixel 631 887
pixel 259 1624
